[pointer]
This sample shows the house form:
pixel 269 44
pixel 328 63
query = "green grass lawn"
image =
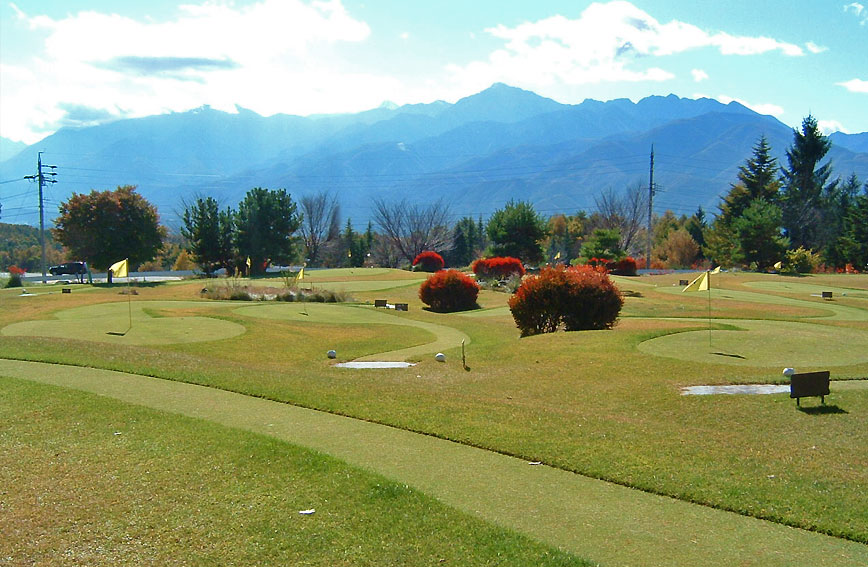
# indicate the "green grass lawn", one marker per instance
pixel 606 404
pixel 112 483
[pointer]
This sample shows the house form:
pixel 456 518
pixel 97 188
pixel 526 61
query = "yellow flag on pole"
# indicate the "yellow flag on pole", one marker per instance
pixel 558 255
pixel 699 284
pixel 248 262
pixel 120 269
pixel 716 270
pixel 778 265
pixel 300 275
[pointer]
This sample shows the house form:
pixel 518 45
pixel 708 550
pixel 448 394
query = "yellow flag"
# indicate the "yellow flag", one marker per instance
pixel 699 284
pixel 120 269
pixel 248 261
pixel 558 256
pixel 300 275
pixel 779 265
pixel 716 270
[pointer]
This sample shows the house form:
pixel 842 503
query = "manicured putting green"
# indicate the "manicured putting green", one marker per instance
pixel 833 311
pixel 766 343
pixel 108 322
pixel 444 337
pixel 806 289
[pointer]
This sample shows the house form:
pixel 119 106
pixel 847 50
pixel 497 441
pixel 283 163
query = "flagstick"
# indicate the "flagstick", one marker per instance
pixel 708 276
pixel 129 302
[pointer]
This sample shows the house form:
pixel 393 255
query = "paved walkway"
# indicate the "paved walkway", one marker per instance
pixel 611 524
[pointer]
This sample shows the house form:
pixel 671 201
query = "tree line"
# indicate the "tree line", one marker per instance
pixel 793 213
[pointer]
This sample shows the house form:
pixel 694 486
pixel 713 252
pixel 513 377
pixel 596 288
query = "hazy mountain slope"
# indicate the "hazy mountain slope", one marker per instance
pixel 502 143
pixel 9 148
pixel 857 143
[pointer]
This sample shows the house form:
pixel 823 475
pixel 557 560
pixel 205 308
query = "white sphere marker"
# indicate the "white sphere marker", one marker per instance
pixel 788 372
pixel 440 357
pixel 332 354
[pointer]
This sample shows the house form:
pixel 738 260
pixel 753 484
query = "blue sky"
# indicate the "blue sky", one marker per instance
pixel 77 63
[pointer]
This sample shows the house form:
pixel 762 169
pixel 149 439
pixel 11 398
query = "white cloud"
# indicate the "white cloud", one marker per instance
pixel 761 108
pixel 855 85
pixel 268 56
pixel 859 11
pixel 829 126
pixel 610 42
pixel 301 57
pixel 814 48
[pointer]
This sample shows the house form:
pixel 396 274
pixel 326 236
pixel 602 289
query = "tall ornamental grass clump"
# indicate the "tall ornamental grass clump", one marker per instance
pixel 428 261
pixel 497 267
pixel 449 290
pixel 576 299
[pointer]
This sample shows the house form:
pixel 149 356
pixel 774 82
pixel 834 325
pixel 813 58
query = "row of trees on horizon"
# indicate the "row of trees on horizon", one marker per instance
pixel 798 213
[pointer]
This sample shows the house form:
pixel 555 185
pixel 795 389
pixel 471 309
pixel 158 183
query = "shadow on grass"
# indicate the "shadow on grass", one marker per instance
pixel 631 293
pixel 430 309
pixel 729 355
pixel 821 410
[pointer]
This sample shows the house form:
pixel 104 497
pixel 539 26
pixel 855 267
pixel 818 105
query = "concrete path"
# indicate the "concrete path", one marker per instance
pixel 604 522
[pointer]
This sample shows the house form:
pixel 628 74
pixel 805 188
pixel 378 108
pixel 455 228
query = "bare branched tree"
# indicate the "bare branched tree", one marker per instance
pixel 625 212
pixel 412 229
pixel 320 223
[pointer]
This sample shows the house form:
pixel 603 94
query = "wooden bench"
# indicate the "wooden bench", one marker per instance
pixel 810 384
pixel 826 295
pixel 66 290
pixel 683 282
pixel 401 307
pixel 380 303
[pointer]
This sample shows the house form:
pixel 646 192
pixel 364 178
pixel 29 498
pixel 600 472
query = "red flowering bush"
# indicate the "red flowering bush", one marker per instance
pixel 497 267
pixel 577 298
pixel 428 261
pixel 449 290
pixel 15 274
pixel 624 267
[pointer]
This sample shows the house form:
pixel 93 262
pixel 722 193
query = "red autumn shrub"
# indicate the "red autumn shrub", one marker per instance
pixel 577 298
pixel 497 267
pixel 428 261
pixel 624 267
pixel 449 290
pixel 16 271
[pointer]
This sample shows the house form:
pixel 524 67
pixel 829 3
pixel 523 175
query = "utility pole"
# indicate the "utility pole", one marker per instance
pixel 650 204
pixel 42 178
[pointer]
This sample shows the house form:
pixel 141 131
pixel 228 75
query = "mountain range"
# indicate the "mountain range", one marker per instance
pixel 478 153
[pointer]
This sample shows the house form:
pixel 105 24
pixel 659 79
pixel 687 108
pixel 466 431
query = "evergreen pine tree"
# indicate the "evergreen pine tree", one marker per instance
pixel 757 178
pixel 807 189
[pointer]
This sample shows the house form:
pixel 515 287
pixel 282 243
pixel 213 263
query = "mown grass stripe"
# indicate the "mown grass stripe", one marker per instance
pixel 611 523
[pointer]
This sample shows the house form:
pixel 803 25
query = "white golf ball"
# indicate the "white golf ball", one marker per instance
pixel 788 372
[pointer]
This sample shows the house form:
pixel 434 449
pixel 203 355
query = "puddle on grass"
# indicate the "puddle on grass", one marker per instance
pixel 736 389
pixel 374 364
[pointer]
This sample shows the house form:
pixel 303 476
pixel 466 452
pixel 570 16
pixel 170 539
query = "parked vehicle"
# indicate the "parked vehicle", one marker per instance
pixel 73 268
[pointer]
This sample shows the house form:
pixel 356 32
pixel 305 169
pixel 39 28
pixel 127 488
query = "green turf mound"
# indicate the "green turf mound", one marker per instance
pixel 806 289
pixel 107 322
pixel 826 309
pixel 444 337
pixel 766 343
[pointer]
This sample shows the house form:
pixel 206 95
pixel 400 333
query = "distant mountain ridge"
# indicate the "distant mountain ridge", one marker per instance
pixel 500 144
